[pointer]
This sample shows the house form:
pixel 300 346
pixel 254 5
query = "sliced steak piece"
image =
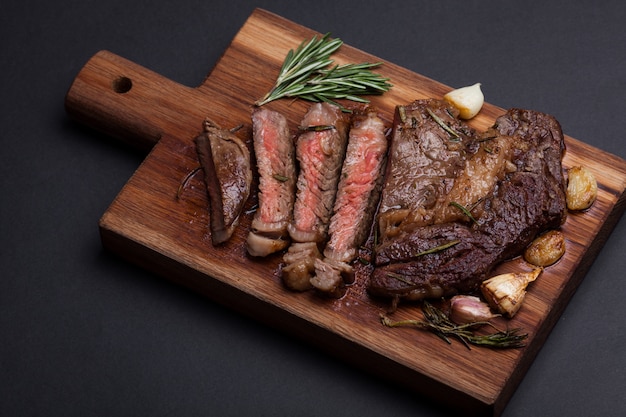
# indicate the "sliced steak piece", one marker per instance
pixel 357 197
pixel 225 160
pixel 320 150
pixel 527 197
pixel 275 160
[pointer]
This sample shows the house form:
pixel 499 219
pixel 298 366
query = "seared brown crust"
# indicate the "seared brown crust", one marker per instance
pixel 529 199
pixel 225 160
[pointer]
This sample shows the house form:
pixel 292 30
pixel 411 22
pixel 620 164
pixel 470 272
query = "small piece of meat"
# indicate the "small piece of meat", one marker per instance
pixel 359 187
pixel 330 275
pixel 523 152
pixel 275 159
pixel 225 160
pixel 357 197
pixel 320 149
pixel 300 265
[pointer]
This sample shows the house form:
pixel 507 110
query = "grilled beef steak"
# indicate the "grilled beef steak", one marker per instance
pixel 225 160
pixel 355 205
pixel 275 160
pixel 320 150
pixel 474 200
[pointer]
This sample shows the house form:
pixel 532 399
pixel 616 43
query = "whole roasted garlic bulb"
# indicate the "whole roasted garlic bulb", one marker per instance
pixel 506 292
pixel 466 309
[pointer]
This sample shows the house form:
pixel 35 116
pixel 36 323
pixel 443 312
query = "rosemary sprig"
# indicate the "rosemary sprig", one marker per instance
pixel 306 73
pixel 280 178
pixel 438 322
pixel 439 248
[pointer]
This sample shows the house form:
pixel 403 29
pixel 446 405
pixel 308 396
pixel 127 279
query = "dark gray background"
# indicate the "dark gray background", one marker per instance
pixel 83 333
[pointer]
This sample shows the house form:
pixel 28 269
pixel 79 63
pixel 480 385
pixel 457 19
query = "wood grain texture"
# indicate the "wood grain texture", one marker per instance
pixel 148 225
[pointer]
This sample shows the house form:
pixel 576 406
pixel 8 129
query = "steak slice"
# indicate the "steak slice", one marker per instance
pixel 320 150
pixel 225 160
pixel 357 197
pixel 275 160
pixel 524 195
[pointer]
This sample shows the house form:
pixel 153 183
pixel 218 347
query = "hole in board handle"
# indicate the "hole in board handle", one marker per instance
pixel 122 85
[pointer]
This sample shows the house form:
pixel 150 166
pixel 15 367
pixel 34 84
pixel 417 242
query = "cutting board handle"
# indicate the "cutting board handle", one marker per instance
pixel 125 100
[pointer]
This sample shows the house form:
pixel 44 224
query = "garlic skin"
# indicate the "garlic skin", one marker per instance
pixel 506 292
pixel 468 100
pixel 466 309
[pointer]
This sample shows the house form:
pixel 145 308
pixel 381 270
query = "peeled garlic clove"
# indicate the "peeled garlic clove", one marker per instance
pixel 468 100
pixel 466 309
pixel 506 292
pixel 582 188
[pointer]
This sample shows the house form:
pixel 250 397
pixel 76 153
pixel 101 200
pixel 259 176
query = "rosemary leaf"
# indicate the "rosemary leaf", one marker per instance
pixel 443 124
pixel 399 277
pixel 315 128
pixel 438 248
pixel 509 339
pixel 464 210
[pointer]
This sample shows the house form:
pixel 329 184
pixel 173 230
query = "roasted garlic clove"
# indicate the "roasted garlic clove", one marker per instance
pixel 468 100
pixel 546 249
pixel 506 292
pixel 466 309
pixel 582 188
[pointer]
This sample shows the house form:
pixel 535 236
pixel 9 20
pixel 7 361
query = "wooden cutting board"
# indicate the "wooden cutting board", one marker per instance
pixel 148 224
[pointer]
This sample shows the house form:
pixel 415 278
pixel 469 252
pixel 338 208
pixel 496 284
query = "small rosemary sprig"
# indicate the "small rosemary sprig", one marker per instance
pixel 306 73
pixel 438 322
pixel 439 248
pixel 316 128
